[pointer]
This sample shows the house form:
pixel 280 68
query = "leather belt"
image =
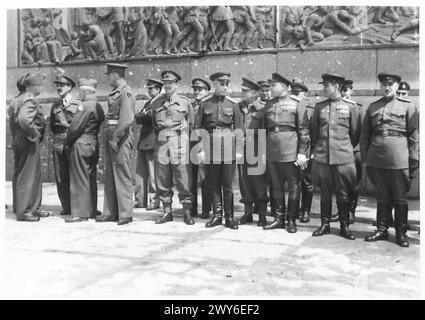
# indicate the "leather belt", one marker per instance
pixel 388 132
pixel 112 122
pixel 277 129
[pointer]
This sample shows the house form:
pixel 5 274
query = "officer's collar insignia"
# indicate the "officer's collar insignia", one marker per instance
pixel 80 108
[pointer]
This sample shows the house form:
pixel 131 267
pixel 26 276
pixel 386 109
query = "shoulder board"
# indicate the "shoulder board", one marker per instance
pixel 206 98
pixel 184 98
pixel 376 101
pixel 403 99
pixel 349 101
pixel 27 96
pixel 295 98
pixel 359 104
pixel 231 99
pixel 75 101
pixel 322 102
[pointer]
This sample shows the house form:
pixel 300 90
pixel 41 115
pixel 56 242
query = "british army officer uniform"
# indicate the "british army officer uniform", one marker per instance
pixel 390 148
pixel 118 192
pixel 27 127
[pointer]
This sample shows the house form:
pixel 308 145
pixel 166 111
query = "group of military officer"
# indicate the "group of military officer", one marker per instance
pixel 301 143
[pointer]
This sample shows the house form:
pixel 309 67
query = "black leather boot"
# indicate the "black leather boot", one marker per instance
pixel 188 217
pixel 279 218
pixel 228 212
pixel 353 206
pixel 292 215
pixel 247 216
pixel 382 210
pixel 166 216
pixel 217 219
pixel 325 217
pixel 400 224
pixel 335 217
pixel 344 217
pixel 27 218
pixel 262 210
pixel 307 198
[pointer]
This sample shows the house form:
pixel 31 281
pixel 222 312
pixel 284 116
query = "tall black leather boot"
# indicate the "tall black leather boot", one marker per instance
pixel 262 210
pixel 217 219
pixel 400 224
pixel 383 210
pixel 229 222
pixel 247 216
pixel 279 218
pixel 167 215
pixel 307 197
pixel 292 215
pixel 354 198
pixel 325 217
pixel 188 218
pixel 344 217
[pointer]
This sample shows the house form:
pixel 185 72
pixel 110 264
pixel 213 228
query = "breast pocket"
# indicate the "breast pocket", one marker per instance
pixel 398 117
pixel 227 116
pixel 376 117
pixel 160 115
pixel 179 113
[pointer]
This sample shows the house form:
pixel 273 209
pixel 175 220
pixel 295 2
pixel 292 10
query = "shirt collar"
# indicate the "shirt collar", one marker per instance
pixel 67 99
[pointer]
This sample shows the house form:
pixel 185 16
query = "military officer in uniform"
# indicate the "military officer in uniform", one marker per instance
pixel 287 149
pixel 118 192
pixel 27 125
pixel 299 89
pixel 145 165
pixel 219 115
pixel 61 114
pixel 83 145
pixel 346 92
pixel 172 119
pixel 335 131
pixel 390 148
pixel 201 88
pixel 403 89
pixel 253 187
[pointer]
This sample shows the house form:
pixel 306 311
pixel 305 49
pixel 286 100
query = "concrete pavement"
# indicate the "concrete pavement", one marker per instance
pixel 52 259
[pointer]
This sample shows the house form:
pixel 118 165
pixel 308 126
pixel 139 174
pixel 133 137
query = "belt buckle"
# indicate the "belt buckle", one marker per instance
pixel 276 129
pixel 385 132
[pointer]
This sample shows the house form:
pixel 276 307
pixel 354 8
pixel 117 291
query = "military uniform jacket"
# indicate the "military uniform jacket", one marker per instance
pixel 172 121
pixel 378 147
pixel 86 122
pixel 121 110
pixel 61 115
pixel 335 130
pixel 26 120
pixel 222 13
pixel 147 135
pixel 309 109
pixel 218 115
pixel 287 129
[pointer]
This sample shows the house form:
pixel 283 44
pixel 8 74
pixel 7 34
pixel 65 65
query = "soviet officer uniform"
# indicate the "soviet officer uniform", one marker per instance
pixel 287 136
pixel 118 204
pixel 253 183
pixel 61 114
pixel 172 119
pixel 82 142
pixel 354 196
pixel 198 170
pixel 306 183
pixel 335 130
pixel 220 117
pixel 145 165
pixel 390 148
pixel 27 127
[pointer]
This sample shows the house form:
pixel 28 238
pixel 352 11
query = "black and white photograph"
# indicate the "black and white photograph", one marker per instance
pixel 210 150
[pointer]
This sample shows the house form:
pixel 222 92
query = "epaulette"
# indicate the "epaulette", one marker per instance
pixel 206 98
pixel 323 101
pixel 349 101
pixel 403 99
pixel 231 99
pixel 379 100
pixel 184 98
pixel 295 98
